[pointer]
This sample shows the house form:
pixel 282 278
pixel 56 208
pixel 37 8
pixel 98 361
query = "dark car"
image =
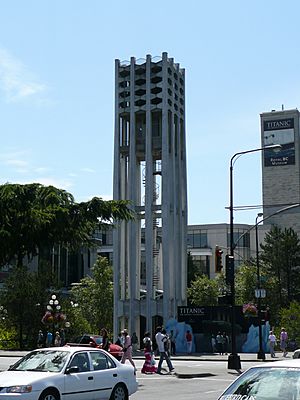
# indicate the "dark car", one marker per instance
pixel 96 341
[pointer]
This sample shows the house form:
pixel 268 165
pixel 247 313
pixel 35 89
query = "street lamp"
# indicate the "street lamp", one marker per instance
pixel 261 354
pixel 233 358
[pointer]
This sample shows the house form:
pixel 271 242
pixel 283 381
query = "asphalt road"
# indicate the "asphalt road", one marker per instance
pixel 216 377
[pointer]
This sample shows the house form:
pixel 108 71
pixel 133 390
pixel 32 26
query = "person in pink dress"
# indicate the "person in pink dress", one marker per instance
pixel 149 364
pixel 127 349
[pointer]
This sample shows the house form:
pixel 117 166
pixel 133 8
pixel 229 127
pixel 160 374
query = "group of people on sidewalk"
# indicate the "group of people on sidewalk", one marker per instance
pixel 49 339
pixel 283 342
pixel 220 343
pixel 163 344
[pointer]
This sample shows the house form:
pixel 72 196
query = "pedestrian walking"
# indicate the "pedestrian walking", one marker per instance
pixel 225 343
pixel 40 339
pixel 49 339
pixel 57 339
pixel 173 342
pixel 105 341
pixel 219 342
pixel 62 337
pixel 134 342
pixel 127 349
pixel 167 342
pixel 189 341
pixel 160 340
pixel 272 344
pixel 149 364
pixel 283 341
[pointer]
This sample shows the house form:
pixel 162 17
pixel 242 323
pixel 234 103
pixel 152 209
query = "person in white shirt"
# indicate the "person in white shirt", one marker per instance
pixel 272 343
pixel 160 340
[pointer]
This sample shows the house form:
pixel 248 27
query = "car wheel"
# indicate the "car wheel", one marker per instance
pixel 119 393
pixel 49 394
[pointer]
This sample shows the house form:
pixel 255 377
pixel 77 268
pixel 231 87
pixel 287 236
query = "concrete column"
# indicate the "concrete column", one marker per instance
pixel 167 202
pixel 149 199
pixel 116 196
pixel 132 182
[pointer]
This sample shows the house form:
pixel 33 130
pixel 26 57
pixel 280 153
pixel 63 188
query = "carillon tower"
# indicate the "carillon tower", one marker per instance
pixel 150 254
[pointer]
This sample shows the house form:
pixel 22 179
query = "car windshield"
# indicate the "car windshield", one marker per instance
pixel 43 361
pixel 270 383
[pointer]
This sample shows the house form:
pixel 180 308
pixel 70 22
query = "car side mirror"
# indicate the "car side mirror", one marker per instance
pixel 72 370
pixel 93 344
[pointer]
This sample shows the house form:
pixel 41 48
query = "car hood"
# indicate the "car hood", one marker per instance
pixel 11 378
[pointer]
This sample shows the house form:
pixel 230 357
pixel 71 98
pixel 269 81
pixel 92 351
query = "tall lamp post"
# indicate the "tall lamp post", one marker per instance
pixel 233 358
pixel 261 354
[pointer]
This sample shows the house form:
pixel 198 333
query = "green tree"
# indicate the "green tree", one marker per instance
pixel 94 295
pixel 203 291
pixel 76 318
pixel 24 295
pixel 33 216
pixel 246 283
pixel 281 256
pixel 290 319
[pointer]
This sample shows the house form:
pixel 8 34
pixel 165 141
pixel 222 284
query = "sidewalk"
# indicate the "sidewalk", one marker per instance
pixel 244 357
pixel 198 371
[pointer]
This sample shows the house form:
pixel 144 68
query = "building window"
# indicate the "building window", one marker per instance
pixel 241 238
pixel 197 239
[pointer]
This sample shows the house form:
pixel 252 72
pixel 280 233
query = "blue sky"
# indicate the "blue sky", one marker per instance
pixel 57 89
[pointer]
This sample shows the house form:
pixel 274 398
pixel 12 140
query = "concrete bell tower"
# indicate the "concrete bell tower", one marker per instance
pixel 150 254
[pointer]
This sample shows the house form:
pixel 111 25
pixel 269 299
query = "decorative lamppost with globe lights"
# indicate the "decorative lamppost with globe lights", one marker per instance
pixel 53 316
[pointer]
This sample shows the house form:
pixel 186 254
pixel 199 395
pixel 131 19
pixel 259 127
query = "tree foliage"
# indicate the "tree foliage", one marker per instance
pixel 203 291
pixel 245 284
pixel 24 295
pixel 281 257
pixel 33 216
pixel 94 295
pixel 290 320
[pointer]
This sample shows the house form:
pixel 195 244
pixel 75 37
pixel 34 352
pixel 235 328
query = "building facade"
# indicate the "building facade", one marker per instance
pixel 281 169
pixel 150 172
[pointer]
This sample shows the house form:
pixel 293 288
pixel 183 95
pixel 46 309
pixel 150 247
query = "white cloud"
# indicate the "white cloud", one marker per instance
pixel 89 197
pixel 41 170
pixel 16 82
pixel 89 170
pixel 59 183
pixel 47 181
pixel 16 162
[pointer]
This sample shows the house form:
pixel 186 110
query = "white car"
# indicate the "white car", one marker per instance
pixel 279 380
pixel 73 373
